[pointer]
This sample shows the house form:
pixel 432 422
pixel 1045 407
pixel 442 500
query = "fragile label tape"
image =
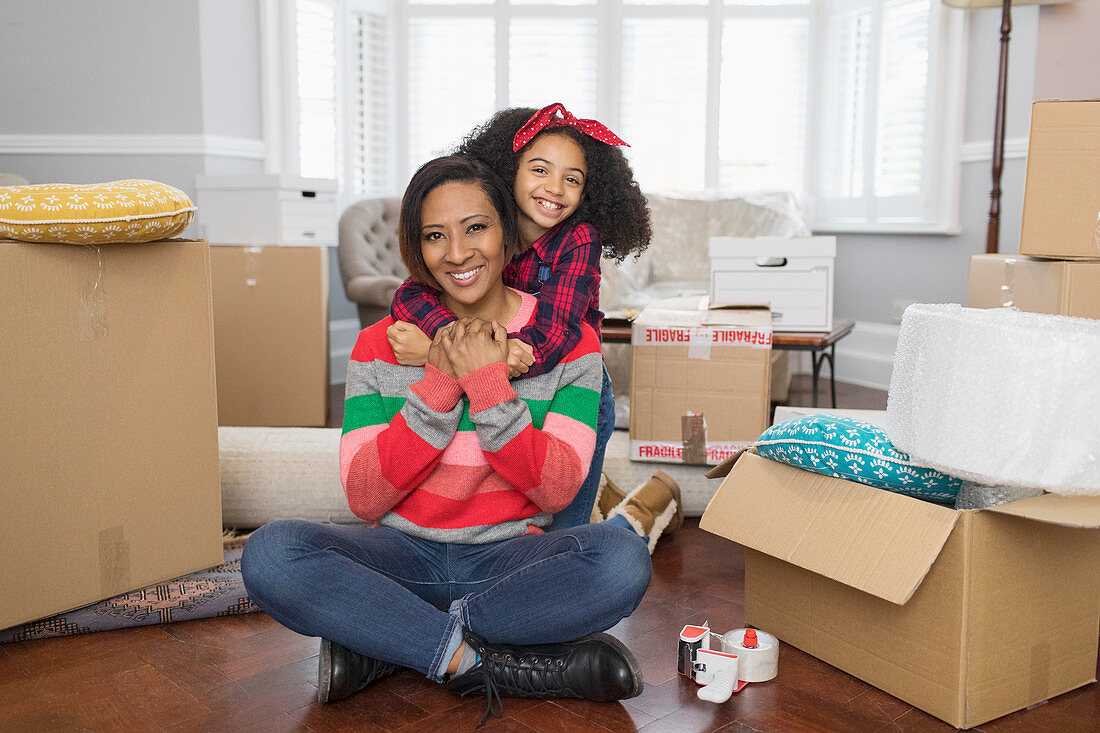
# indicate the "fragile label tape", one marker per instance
pixel 697 337
pixel 669 452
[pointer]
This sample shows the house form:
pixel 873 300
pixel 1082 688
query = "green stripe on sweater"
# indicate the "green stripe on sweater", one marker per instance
pixel 576 402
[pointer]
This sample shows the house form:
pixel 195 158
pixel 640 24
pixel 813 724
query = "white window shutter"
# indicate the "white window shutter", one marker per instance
pixel 315 32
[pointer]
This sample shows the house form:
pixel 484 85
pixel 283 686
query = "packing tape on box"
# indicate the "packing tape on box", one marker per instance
pixel 693 434
pixel 1007 291
pixel 114 562
pixel 699 340
pixel 93 308
pixel 253 263
pixel 758 663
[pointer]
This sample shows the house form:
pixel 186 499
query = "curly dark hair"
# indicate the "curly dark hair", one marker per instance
pixel 613 203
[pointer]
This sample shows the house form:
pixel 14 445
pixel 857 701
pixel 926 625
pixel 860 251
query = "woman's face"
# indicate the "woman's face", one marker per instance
pixel 462 243
pixel 549 183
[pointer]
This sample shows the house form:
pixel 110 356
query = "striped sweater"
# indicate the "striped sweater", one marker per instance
pixel 474 460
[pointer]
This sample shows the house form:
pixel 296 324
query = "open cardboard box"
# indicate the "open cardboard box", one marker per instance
pixel 968 615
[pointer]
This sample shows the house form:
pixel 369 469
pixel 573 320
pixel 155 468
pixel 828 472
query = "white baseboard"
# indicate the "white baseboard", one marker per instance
pixel 215 145
pixel 341 338
pixel 865 357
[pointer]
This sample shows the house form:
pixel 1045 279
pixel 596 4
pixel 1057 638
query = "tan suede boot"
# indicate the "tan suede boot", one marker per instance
pixel 608 496
pixel 653 509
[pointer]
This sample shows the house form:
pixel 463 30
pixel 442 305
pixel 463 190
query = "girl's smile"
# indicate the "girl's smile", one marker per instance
pixel 549 184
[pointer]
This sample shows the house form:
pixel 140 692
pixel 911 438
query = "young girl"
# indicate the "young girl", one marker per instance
pixel 577 198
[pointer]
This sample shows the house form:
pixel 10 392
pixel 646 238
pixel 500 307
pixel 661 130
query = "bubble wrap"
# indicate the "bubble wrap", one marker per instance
pixel 980 496
pixel 999 396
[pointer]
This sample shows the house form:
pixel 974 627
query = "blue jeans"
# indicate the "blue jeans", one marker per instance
pixel 404 600
pixel 579 510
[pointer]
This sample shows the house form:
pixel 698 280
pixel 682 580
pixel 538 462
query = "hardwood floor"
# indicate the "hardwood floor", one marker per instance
pixel 247 673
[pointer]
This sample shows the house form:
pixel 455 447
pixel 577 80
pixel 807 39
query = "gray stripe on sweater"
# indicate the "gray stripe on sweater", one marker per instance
pixel 436 428
pixel 584 372
pixel 479 535
pixel 390 380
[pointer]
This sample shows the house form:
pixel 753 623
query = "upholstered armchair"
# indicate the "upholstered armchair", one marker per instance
pixel 369 258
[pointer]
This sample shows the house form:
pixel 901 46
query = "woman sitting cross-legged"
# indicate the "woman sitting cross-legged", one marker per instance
pixel 461 469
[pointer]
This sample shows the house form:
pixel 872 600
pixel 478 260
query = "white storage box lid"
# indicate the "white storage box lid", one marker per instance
pixel 772 247
pixel 265 182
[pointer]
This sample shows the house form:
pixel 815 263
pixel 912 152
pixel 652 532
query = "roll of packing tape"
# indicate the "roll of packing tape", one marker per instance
pixel 759 660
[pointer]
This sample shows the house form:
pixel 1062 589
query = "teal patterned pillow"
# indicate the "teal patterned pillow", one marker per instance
pixel 853 450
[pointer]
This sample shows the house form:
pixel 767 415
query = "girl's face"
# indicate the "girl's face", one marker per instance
pixel 462 243
pixel 549 186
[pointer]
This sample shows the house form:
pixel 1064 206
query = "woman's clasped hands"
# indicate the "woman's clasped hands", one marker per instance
pixel 466 345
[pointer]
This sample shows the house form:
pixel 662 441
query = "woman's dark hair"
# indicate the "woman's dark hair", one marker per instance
pixel 612 203
pixel 432 175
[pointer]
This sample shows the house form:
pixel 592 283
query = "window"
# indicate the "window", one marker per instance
pixel 851 103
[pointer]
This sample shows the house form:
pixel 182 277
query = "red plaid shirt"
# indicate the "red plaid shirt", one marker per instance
pixel 568 290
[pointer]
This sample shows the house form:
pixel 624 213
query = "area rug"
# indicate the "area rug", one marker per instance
pixel 218 591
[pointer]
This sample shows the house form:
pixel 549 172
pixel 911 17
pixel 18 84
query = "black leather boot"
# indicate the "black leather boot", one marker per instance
pixel 596 667
pixel 342 672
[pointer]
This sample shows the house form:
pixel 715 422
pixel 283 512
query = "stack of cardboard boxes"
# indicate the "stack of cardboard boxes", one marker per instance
pixel 1058 268
pixel 968 615
pixel 270 237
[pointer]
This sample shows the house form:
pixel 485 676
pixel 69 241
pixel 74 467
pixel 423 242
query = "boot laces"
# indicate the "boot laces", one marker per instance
pixel 522 676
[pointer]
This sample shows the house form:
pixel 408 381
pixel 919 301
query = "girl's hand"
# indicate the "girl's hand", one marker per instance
pixel 410 345
pixel 437 354
pixel 473 343
pixel 520 357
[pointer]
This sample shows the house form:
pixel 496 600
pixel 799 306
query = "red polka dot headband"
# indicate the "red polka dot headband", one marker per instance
pixel 545 118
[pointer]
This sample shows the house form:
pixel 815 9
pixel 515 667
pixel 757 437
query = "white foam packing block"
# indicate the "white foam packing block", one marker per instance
pixel 999 396
pixel 281 473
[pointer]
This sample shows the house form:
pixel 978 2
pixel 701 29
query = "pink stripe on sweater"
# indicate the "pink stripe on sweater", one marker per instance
pixel 574 433
pixel 351 441
pixel 463 482
pixel 464 450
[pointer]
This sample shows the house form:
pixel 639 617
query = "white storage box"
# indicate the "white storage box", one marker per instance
pixel 794 275
pixel 270 209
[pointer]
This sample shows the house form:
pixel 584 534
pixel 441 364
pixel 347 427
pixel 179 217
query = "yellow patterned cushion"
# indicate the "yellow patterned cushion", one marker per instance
pixel 97 213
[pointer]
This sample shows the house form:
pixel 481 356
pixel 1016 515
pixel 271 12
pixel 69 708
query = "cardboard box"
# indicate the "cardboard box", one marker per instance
pixel 271 335
pixel 699 382
pixel 780 388
pixel 267 209
pixel 968 615
pixel 1060 287
pixel 1062 190
pixel 792 275
pixel 108 430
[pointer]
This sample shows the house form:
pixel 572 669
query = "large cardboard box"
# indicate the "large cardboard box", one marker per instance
pixel 968 615
pixel 271 335
pixel 108 425
pixel 1062 190
pixel 699 382
pixel 1060 287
